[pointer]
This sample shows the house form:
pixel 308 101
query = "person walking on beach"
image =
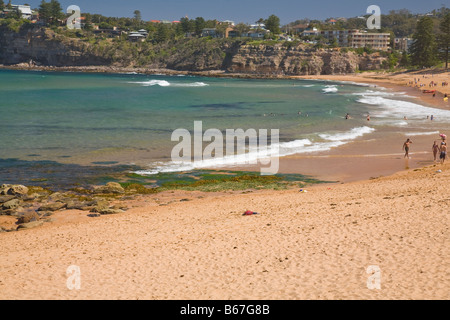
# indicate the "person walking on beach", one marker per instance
pixel 435 149
pixel 406 147
pixel 443 150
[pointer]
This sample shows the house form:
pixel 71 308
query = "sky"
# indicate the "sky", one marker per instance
pixel 247 11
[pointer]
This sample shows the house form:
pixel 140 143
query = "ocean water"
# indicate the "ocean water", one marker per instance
pixel 85 119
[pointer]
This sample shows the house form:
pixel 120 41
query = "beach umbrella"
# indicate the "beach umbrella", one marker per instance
pixel 443 136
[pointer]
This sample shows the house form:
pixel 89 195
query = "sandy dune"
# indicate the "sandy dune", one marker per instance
pixel 314 245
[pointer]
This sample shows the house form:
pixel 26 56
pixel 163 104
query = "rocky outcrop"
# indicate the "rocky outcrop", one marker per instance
pixel 300 60
pixel 43 47
pixel 32 206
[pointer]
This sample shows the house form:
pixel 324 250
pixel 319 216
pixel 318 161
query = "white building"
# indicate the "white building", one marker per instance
pixel 24 10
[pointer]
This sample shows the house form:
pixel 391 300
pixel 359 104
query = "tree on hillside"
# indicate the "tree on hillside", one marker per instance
pixel 2 5
pixel 200 24
pixel 242 28
pixel 44 11
pixel 137 19
pixel 56 10
pixel 187 25
pixel 273 24
pixel 423 50
pixel 443 39
pixel 162 33
pixel 51 11
pixel 221 30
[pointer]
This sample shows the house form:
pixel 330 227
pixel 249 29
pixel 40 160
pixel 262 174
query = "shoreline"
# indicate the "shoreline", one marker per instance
pixel 193 245
pixel 383 79
pixel 288 164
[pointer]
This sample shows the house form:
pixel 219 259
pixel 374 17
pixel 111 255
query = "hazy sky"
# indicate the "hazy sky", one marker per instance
pixel 247 11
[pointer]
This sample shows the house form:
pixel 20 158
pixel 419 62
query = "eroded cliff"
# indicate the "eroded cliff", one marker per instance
pixel 44 47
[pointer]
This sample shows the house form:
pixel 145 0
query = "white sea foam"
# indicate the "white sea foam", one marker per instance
pixel 413 134
pixel 369 93
pixel 350 135
pixel 282 149
pixel 164 83
pixel 330 89
pixel 390 108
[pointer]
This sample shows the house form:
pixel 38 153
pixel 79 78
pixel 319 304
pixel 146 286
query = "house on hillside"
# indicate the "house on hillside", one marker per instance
pixel 209 32
pixel 229 22
pixel 138 36
pixel 299 28
pixel 256 34
pixel 24 10
pixel 310 32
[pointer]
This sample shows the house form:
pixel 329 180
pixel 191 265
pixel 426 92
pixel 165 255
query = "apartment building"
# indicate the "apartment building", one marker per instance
pixel 353 38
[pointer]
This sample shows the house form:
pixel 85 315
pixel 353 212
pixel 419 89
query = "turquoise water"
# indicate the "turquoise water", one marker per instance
pixel 128 119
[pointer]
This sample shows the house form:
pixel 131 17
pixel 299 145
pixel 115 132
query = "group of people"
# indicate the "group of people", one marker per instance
pixel 435 84
pixel 442 149
pixel 436 148
pixel 347 116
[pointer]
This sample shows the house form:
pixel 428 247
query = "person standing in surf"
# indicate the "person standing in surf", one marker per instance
pixel 435 149
pixel 406 147
pixel 443 150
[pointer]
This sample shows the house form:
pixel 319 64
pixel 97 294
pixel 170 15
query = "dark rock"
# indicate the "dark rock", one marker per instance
pixel 4 199
pixel 110 187
pixel 9 212
pixel 30 225
pixel 81 205
pixel 44 214
pixel 11 204
pixel 52 206
pixel 4 189
pixel 110 211
pixel 30 216
pixel 17 190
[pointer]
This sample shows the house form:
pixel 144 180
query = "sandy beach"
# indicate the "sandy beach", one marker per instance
pixel 313 245
pixel 385 213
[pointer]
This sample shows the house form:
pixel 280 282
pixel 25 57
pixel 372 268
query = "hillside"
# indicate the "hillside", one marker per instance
pixel 40 46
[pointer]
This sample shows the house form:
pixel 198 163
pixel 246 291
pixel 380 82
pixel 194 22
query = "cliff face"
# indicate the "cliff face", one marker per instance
pixel 300 60
pixel 44 47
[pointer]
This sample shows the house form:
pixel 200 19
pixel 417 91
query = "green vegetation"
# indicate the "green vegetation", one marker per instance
pixel 443 39
pixel 273 24
pixel 51 12
pixel 424 49
pixel 213 181
pixel 166 40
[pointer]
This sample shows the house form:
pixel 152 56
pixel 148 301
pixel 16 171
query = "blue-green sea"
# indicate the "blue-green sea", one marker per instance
pixel 86 121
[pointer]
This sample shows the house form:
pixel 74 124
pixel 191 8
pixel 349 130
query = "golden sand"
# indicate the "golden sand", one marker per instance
pixel 317 244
